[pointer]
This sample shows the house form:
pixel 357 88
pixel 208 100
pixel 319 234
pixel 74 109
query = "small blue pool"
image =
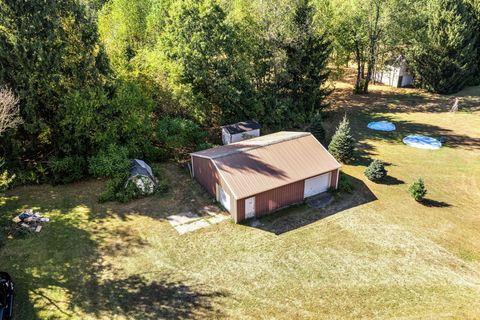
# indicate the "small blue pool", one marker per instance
pixel 422 142
pixel 382 126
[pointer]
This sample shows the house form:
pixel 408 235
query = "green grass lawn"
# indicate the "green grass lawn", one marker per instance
pixel 374 254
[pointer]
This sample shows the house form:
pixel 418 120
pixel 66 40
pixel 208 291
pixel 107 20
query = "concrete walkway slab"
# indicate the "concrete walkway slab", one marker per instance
pixel 210 210
pixel 182 218
pixel 217 219
pixel 189 227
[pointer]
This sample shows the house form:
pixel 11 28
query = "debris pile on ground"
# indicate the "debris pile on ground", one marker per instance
pixel 28 222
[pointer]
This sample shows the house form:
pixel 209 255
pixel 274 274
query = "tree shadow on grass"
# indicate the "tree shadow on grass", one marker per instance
pixel 301 215
pixel 434 203
pixel 137 298
pixel 184 195
pixel 60 273
pixel 404 128
pixel 390 181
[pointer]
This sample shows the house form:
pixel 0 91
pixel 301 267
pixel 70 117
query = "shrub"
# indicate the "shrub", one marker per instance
pixel 316 128
pixel 204 145
pixel 114 188
pixel 110 162
pixel 417 189
pixel 67 169
pixel 177 133
pixel 341 146
pixel 344 185
pixel 117 188
pixel 376 170
pixel 6 179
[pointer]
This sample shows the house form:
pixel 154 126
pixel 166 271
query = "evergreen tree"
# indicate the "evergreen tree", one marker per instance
pixel 316 128
pixel 417 189
pixel 444 52
pixel 52 51
pixel 342 144
pixel 376 170
pixel 307 52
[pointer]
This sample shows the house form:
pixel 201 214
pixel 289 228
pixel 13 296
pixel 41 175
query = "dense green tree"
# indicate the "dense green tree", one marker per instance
pixel 316 128
pixel 307 52
pixel 49 50
pixel 443 53
pixel 359 28
pixel 204 70
pixel 342 144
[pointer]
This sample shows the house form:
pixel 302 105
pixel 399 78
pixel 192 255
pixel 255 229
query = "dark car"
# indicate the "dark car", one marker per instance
pixel 6 296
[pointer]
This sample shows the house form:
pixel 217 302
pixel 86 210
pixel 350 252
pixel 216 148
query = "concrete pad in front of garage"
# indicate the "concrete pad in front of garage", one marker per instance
pixel 189 227
pixel 182 218
pixel 217 219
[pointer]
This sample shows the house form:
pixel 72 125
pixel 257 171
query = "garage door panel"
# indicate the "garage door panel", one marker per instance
pixel 316 185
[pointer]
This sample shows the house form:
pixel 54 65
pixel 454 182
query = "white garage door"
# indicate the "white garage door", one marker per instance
pixel 224 198
pixel 316 185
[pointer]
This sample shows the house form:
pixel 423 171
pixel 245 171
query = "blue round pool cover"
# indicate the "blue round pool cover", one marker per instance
pixel 422 142
pixel 381 126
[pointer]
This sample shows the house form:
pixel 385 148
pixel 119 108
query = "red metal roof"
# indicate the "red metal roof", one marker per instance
pixel 267 162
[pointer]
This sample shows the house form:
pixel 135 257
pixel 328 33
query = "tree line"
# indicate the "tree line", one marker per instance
pixel 153 76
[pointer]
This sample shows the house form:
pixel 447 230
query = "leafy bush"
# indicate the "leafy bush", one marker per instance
pixel 6 179
pixel 341 146
pixel 344 185
pixel 115 189
pixel 110 162
pixel 204 145
pixel 316 128
pixel 32 173
pixel 67 169
pixel 376 170
pixel 178 133
pixel 417 189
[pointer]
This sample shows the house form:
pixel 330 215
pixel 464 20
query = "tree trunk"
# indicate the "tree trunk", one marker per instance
pixel 372 54
pixel 357 88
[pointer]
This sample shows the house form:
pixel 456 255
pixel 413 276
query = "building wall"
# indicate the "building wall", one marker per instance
pixel 206 174
pixel 334 178
pixel 391 75
pixel 272 200
pixel 226 137
pixel 244 135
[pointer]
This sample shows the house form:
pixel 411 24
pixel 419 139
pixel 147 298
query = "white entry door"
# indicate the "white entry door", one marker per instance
pixel 316 185
pixel 224 198
pixel 249 207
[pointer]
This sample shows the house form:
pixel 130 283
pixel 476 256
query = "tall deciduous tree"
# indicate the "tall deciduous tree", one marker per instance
pixel 9 110
pixel 359 28
pixel 201 63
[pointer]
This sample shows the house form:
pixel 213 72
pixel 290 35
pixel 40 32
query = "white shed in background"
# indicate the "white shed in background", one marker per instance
pixel 395 74
pixel 240 131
